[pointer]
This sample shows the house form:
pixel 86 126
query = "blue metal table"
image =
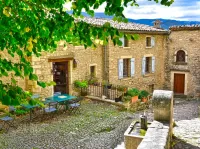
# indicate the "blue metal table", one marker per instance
pixel 59 99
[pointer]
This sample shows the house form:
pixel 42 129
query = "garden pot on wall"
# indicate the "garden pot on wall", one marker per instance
pixel 134 99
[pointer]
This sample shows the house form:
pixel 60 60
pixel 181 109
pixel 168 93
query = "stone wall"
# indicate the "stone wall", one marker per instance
pixel 187 40
pixel 137 49
pixel 83 57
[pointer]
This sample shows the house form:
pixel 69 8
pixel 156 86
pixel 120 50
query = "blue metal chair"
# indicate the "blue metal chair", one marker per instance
pixel 74 105
pixel 7 122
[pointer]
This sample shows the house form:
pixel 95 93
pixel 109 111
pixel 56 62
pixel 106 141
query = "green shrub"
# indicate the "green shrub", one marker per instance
pixel 80 84
pixel 126 98
pixel 143 94
pixel 121 88
pixel 20 112
pixel 133 92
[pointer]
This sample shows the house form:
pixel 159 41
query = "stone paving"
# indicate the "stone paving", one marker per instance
pixel 99 126
pixel 189 131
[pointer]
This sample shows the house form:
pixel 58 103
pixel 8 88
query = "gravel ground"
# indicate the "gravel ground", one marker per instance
pixel 98 126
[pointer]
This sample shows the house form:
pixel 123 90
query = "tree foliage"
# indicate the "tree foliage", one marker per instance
pixel 28 27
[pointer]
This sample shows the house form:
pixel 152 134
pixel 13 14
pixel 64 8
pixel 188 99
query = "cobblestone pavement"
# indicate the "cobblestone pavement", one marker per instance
pixel 98 126
pixel 187 131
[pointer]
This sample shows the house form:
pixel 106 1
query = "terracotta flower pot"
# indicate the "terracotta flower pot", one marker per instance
pixel 134 99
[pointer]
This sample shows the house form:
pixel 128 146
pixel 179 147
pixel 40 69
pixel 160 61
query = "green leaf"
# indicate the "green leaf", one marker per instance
pixel 42 84
pixel 33 77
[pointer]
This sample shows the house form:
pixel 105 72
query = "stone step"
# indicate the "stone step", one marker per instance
pixel 180 96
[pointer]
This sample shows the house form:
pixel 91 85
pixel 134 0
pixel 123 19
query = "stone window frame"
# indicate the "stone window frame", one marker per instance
pixel 125 43
pixel 186 57
pixel 151 44
pixel 95 65
pixel 129 71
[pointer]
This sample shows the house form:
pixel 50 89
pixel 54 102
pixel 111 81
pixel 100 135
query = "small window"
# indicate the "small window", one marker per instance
pixel 92 71
pixel 126 67
pixel 126 43
pixel 148 41
pixel 180 56
pixel 148 65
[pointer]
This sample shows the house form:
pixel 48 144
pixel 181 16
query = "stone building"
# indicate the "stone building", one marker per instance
pixel 137 63
pixel 183 60
pixel 159 59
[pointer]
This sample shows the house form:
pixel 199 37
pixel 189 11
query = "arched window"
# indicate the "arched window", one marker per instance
pixel 180 56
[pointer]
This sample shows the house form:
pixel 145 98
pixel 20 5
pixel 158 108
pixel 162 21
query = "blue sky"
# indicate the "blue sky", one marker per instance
pixel 188 10
pixel 179 10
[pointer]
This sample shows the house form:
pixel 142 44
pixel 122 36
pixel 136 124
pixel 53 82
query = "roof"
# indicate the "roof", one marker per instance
pixel 185 27
pixel 122 26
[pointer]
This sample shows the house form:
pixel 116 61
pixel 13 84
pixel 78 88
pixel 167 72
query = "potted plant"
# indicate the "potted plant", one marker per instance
pixel 81 86
pixel 122 88
pixel 134 93
pixel 106 84
pixel 93 81
pixel 144 95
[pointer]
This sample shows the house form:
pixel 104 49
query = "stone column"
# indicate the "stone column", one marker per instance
pixel 163 108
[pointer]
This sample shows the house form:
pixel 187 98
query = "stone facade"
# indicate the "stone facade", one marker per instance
pixel 107 60
pixel 137 49
pixel 184 39
pixel 84 58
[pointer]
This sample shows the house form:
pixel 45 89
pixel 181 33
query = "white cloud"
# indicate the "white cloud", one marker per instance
pixel 179 10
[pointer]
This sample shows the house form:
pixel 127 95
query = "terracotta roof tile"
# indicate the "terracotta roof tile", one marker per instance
pixel 122 25
pixel 185 27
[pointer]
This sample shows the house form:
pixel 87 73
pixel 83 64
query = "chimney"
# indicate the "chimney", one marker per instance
pixel 157 24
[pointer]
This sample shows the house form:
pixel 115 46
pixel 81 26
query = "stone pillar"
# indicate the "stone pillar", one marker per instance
pixel 163 108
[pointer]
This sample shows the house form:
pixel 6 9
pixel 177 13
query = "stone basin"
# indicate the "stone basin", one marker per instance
pixel 132 136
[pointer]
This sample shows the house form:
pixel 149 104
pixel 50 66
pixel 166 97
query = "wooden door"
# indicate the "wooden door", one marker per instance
pixel 61 77
pixel 179 83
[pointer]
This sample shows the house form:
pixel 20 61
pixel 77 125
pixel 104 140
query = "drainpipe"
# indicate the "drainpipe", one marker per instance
pixel 105 63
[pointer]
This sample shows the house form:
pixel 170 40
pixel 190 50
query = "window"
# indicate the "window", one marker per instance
pixel 151 88
pixel 92 71
pixel 180 56
pixel 126 67
pixel 125 42
pixel 150 42
pixel 148 65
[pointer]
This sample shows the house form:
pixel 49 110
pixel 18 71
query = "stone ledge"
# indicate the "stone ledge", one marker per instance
pixel 156 137
pixel 106 100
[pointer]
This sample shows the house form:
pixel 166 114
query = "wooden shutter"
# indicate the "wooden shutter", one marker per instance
pixel 152 41
pixel 143 65
pixel 153 64
pixel 132 67
pixel 120 68
pixel 122 40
